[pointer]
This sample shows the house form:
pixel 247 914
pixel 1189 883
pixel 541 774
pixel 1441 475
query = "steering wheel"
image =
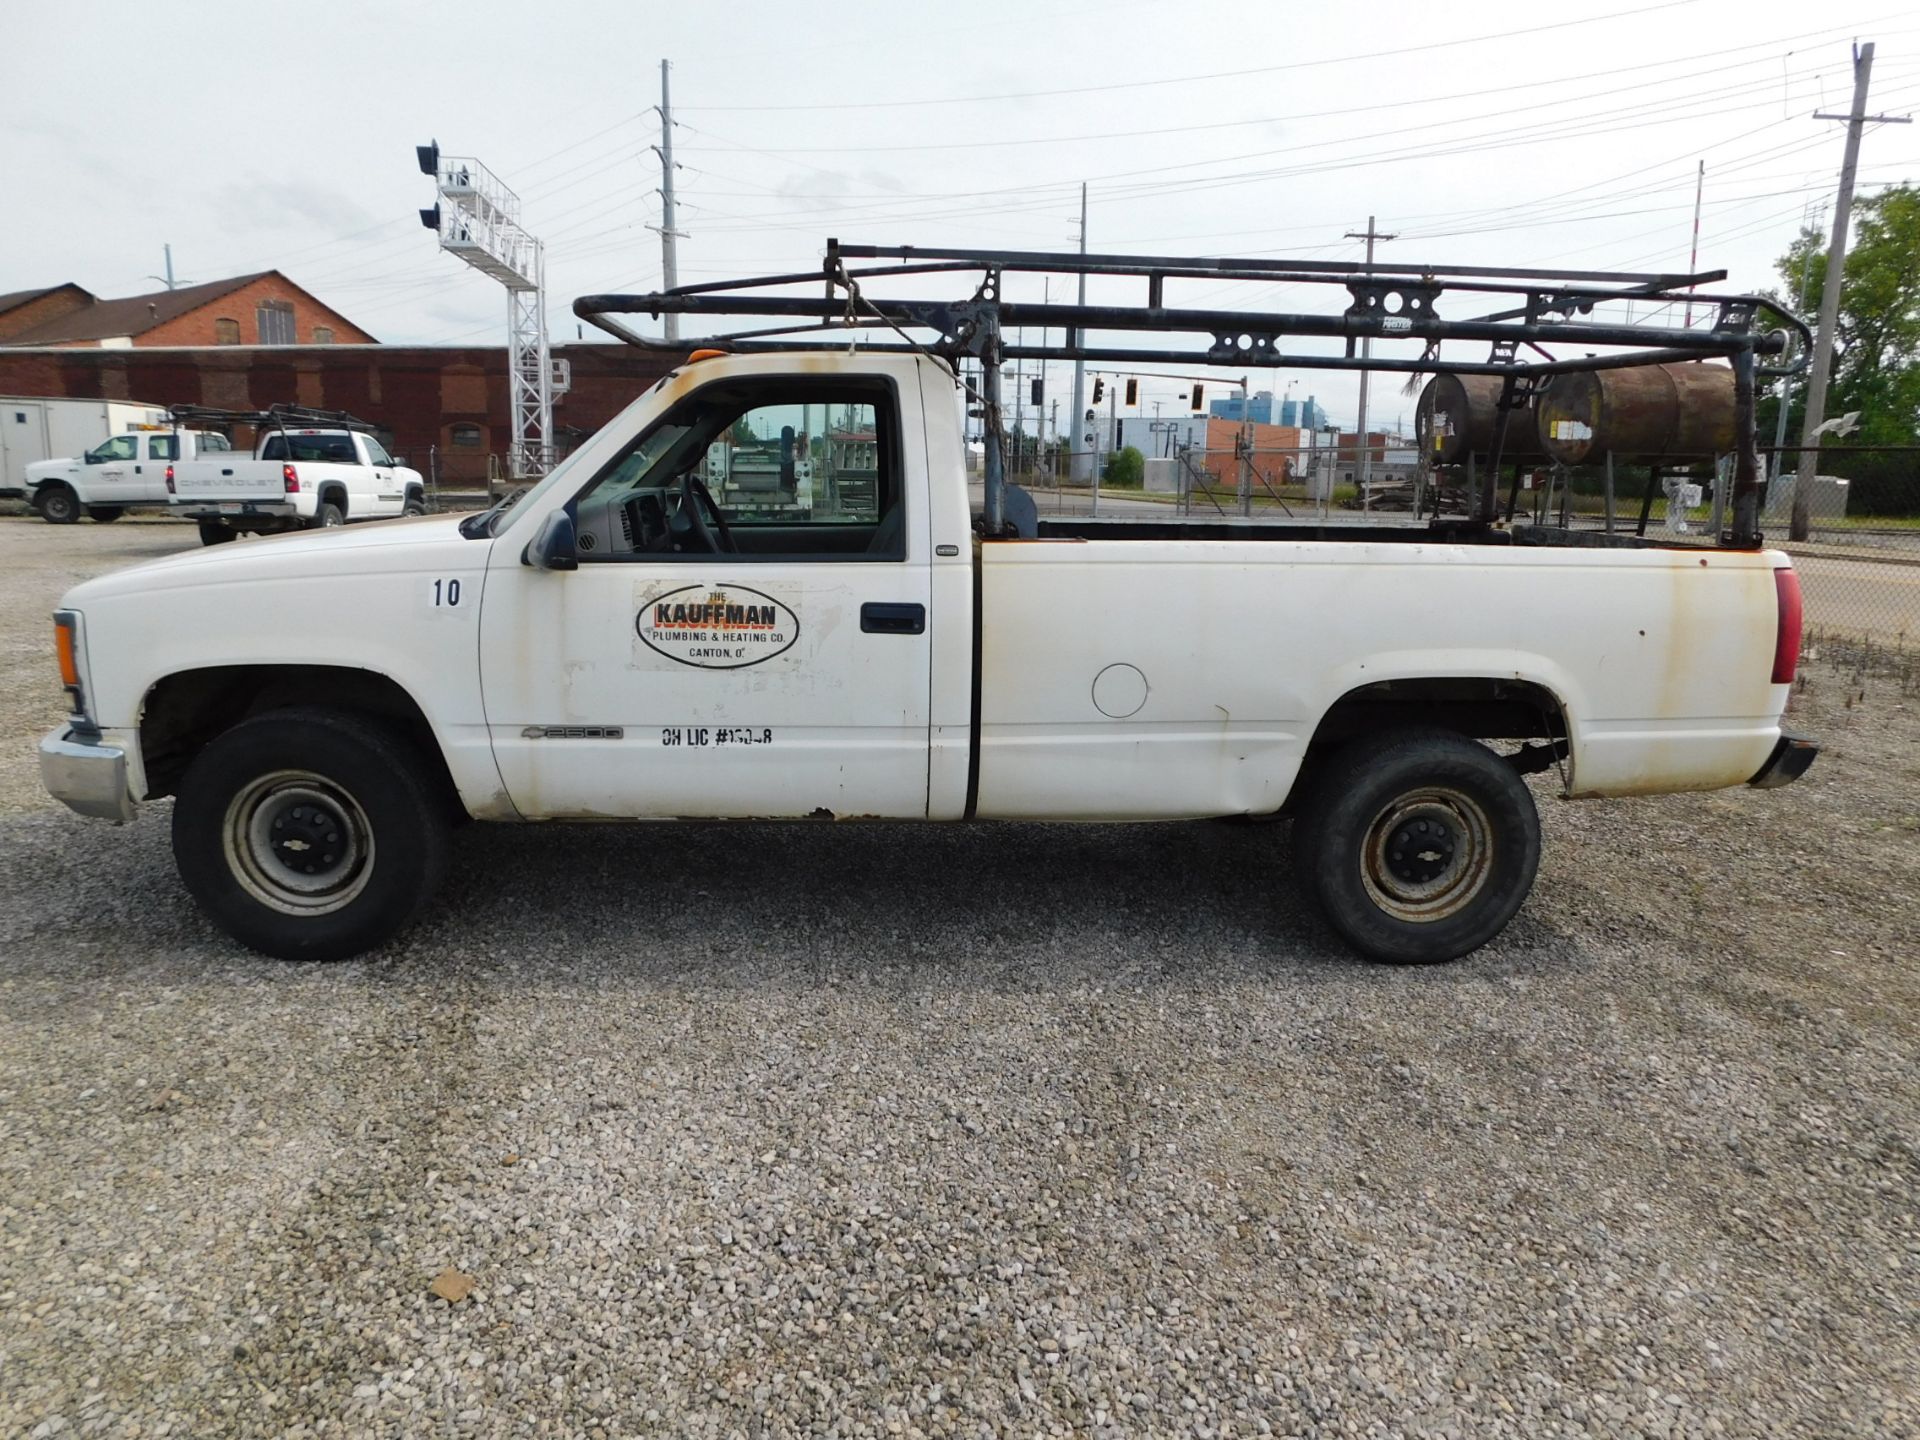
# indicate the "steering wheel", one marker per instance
pixel 688 521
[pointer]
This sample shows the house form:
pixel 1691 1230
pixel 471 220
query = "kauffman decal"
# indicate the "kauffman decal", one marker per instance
pixel 717 627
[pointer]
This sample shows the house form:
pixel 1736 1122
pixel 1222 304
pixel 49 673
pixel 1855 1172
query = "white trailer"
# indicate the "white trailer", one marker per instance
pixel 39 427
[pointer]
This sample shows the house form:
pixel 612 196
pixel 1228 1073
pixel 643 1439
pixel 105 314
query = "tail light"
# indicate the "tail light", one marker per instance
pixel 291 478
pixel 1786 635
pixel 170 489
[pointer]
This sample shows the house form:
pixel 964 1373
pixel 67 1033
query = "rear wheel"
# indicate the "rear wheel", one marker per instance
pixel 106 513
pixel 309 834
pixel 57 505
pixel 212 534
pixel 328 516
pixel 1419 845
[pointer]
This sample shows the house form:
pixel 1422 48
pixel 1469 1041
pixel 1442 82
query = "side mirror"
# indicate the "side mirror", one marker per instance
pixel 93 459
pixel 553 547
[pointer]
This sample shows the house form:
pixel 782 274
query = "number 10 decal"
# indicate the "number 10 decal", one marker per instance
pixel 446 593
pixel 445 596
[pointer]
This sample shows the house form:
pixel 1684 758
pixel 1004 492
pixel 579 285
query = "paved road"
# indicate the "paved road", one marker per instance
pixel 1861 595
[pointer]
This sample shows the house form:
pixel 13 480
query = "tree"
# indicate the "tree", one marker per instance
pixel 1126 468
pixel 1876 354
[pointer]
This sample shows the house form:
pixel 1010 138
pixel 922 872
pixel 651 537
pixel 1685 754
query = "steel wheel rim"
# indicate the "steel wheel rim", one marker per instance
pixel 331 519
pixel 1427 854
pixel 57 506
pixel 298 843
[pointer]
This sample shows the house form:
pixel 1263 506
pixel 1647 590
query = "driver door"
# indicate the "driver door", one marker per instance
pixel 790 677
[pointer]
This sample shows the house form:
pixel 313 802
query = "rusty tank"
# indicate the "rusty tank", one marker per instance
pixel 1458 414
pixel 1646 412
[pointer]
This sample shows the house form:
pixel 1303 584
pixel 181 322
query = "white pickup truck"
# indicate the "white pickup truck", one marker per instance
pixel 120 472
pixel 617 646
pixel 298 478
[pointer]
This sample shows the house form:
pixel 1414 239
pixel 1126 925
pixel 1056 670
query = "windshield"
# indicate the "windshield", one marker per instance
pixel 562 473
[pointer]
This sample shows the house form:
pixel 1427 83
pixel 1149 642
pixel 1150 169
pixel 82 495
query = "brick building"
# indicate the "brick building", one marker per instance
pixel 444 407
pixel 265 308
pixel 24 310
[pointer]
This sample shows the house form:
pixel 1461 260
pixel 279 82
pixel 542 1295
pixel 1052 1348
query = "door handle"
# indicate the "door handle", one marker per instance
pixel 886 617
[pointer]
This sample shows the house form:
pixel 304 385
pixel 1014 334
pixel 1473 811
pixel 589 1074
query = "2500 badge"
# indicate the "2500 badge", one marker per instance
pixel 717 627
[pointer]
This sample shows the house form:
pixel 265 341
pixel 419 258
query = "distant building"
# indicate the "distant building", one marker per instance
pixel 1306 413
pixel 1260 407
pixel 265 308
pixel 25 310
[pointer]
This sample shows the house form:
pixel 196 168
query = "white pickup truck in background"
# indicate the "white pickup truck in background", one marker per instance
pixel 117 474
pixel 617 645
pixel 34 428
pixel 300 476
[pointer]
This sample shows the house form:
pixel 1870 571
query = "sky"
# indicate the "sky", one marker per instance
pixel 264 135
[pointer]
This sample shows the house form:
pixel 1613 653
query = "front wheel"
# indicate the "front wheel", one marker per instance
pixel 1418 845
pixel 414 506
pixel 57 505
pixel 309 834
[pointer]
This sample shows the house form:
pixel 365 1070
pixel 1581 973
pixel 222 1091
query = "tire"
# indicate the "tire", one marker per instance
pixel 57 505
pixel 212 534
pixel 327 516
pixel 1470 874
pixel 414 506
pixel 105 514
pixel 282 786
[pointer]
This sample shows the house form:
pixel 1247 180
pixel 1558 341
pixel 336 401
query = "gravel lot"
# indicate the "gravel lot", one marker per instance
pixel 1031 1130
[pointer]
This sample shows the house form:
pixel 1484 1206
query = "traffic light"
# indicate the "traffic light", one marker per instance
pixel 1039 388
pixel 1196 398
pixel 1099 389
pixel 1133 392
pixel 431 218
pixel 429 157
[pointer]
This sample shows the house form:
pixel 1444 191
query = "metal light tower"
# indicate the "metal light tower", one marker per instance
pixel 478 219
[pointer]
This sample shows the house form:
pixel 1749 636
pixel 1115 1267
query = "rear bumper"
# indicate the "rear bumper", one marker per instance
pixel 1788 763
pixel 88 776
pixel 233 509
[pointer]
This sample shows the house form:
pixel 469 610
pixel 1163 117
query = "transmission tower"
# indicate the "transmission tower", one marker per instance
pixel 478 219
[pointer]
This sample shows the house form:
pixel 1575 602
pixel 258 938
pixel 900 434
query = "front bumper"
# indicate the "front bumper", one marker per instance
pixel 1788 763
pixel 13 492
pixel 87 776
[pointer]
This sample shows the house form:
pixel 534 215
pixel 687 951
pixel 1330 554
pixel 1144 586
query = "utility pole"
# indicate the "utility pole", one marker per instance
pixel 1076 442
pixel 669 260
pixel 1365 469
pixel 1809 459
pixel 1693 257
pixel 168 279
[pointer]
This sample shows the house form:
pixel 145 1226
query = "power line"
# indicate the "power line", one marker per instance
pixel 1368 56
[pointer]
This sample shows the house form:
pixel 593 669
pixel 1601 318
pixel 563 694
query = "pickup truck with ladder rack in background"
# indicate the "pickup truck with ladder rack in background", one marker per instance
pixel 310 470
pixel 615 643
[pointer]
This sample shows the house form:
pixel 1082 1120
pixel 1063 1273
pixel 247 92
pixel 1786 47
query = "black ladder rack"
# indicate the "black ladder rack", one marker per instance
pixel 1527 310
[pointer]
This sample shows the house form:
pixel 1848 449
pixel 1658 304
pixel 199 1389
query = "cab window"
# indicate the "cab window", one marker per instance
pixel 777 468
pixel 376 453
pixel 120 447
pixel 163 447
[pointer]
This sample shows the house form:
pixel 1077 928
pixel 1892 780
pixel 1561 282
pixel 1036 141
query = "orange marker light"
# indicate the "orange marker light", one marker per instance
pixel 705 355
pixel 63 647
